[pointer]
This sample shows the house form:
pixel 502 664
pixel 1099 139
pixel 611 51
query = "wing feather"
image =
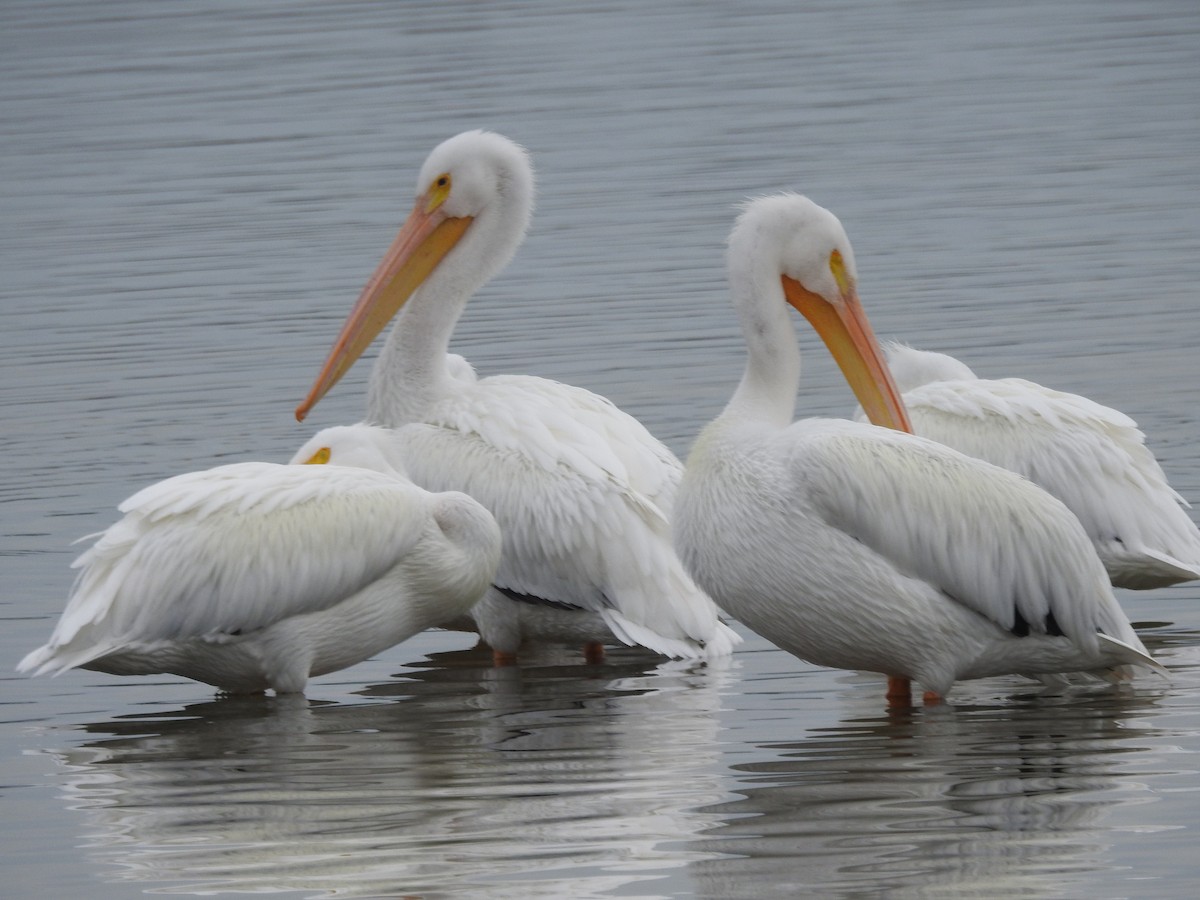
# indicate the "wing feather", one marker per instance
pixel 582 493
pixel 237 548
pixel 559 424
pixel 984 536
pixel 1092 457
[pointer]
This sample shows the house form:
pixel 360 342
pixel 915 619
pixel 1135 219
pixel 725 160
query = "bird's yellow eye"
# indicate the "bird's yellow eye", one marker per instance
pixel 438 192
pixel 837 266
pixel 319 458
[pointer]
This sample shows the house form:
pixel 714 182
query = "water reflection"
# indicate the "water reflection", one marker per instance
pixel 993 799
pixel 548 781
pixel 641 778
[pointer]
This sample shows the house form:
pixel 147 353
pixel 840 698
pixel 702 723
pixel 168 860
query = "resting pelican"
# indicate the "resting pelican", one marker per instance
pixel 1092 458
pixel 581 490
pixel 861 547
pixel 256 575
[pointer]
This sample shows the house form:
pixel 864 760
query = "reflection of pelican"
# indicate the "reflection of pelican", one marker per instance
pixel 254 575
pixel 862 547
pixel 1009 798
pixel 466 781
pixel 580 489
pixel 1092 458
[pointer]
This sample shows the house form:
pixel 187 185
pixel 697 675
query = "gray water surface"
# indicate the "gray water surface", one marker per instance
pixel 193 196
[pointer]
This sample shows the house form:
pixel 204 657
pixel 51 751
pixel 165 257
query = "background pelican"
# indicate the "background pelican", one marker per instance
pixel 581 490
pixel 255 575
pixel 1092 458
pixel 862 547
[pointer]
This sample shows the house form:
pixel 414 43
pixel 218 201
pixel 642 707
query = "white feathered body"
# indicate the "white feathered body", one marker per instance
pixel 254 575
pixel 858 547
pixel 1091 457
pixel 582 493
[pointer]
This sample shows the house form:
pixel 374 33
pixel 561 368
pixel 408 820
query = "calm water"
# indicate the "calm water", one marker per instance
pixel 193 195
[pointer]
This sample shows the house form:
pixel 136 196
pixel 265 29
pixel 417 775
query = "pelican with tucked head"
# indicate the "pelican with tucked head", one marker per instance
pixel 255 575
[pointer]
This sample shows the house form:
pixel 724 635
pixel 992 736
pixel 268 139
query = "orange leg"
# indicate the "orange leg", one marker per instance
pixel 500 658
pixel 593 652
pixel 931 699
pixel 899 691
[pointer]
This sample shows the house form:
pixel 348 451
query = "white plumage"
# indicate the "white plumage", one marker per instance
pixel 581 490
pixel 862 547
pixel 1091 457
pixel 255 575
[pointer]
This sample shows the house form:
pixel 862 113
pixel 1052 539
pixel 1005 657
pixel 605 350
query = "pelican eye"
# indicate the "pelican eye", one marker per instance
pixel 837 266
pixel 439 191
pixel 319 458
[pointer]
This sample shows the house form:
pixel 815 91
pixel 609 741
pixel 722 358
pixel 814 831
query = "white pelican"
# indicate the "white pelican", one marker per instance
pixel 581 490
pixel 861 547
pixel 1092 458
pixel 255 575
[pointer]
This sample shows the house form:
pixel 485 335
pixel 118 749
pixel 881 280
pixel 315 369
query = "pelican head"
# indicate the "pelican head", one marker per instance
pixel 806 248
pixel 913 368
pixel 474 201
pixel 361 446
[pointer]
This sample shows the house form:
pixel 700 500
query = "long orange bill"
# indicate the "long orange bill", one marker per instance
pixel 847 333
pixel 424 240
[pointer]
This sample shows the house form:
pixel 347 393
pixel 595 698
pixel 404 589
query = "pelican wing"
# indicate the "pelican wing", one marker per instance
pixel 555 424
pixel 985 537
pixel 582 493
pixel 1091 457
pixel 234 549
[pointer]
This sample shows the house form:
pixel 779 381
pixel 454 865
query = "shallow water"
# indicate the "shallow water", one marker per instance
pixel 193 196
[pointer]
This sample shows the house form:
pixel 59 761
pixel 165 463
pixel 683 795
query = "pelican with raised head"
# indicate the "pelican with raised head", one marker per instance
pixel 581 490
pixel 256 575
pixel 863 547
